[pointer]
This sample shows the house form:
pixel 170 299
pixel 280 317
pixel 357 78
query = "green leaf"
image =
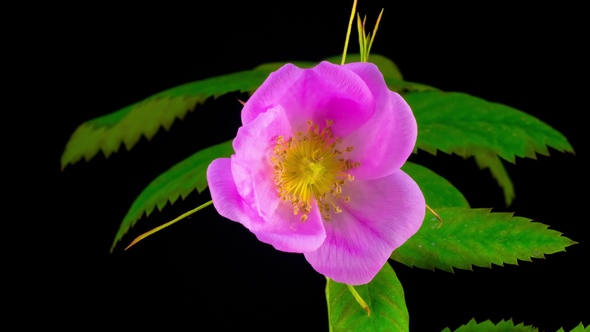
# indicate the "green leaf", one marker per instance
pixel 385 297
pixel 437 191
pixel 459 123
pixel 488 326
pixel 468 126
pixel 178 181
pixel 579 328
pixel 476 237
pixel 146 117
pixel 127 125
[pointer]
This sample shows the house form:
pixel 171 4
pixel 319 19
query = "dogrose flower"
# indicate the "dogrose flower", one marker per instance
pixel 316 169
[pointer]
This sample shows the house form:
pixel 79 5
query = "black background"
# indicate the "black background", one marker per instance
pixel 209 273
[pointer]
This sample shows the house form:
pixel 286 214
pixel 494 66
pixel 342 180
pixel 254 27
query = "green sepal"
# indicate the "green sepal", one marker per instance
pixel 491 161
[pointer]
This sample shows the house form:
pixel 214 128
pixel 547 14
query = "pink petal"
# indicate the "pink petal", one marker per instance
pixel 258 191
pixel 384 143
pixel 251 166
pixel 381 216
pixel 325 92
pixel 224 193
pixel 286 232
pixel 270 91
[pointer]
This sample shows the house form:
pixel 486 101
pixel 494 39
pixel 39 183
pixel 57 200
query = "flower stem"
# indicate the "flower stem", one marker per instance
pixel 182 216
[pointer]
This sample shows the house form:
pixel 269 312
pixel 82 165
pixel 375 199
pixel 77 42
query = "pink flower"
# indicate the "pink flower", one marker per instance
pixel 316 169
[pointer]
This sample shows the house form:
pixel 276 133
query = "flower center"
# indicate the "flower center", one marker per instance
pixel 309 166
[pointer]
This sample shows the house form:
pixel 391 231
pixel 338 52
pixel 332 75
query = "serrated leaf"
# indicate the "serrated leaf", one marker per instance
pixel 455 122
pixel 146 117
pixel 385 297
pixel 127 125
pixel 578 328
pixel 476 237
pixel 488 326
pixel 437 191
pixel 178 181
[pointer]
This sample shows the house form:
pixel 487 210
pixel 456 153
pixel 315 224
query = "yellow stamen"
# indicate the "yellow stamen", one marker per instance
pixel 308 167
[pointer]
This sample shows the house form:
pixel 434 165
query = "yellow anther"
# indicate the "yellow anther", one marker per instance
pixel 307 169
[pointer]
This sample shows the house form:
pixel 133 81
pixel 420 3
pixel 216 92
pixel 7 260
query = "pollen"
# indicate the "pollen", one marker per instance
pixel 311 169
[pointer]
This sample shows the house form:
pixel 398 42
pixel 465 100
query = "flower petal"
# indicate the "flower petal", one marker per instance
pixel 381 215
pixel 224 193
pixel 384 143
pixel 256 139
pixel 325 92
pixel 251 166
pixel 286 232
pixel 270 91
